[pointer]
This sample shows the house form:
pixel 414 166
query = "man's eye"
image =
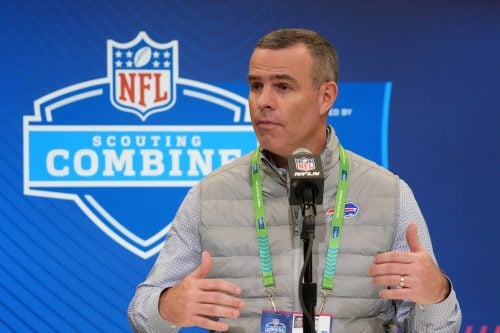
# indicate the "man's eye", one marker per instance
pixel 283 87
pixel 256 86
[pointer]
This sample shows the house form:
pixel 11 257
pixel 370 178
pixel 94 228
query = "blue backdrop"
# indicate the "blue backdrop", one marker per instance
pixel 436 63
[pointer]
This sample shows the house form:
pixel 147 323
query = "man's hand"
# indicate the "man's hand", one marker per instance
pixel 415 273
pixel 195 299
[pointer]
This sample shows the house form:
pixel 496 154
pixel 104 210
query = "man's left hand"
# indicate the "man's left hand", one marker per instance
pixel 414 273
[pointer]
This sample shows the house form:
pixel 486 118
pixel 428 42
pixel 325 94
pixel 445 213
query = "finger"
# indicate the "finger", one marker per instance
pixel 216 311
pixel 391 281
pixel 400 293
pixel 389 269
pixel 412 238
pixel 219 285
pixel 205 266
pixel 210 324
pixel 393 257
pixel 223 299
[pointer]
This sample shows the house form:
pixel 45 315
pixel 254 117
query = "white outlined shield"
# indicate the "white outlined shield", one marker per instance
pixel 305 164
pixel 143 75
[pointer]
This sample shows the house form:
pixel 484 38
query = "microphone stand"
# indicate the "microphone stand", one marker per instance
pixel 308 288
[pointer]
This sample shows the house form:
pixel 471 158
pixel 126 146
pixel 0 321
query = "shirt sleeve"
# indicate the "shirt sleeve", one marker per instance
pixel 180 255
pixel 443 317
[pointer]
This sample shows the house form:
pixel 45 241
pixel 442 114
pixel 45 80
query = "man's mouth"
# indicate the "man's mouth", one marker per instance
pixel 267 124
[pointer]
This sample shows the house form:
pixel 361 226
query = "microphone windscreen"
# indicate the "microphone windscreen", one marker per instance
pixel 305 170
pixel 299 151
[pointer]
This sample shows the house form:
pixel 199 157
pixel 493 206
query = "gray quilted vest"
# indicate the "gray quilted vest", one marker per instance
pixel 227 231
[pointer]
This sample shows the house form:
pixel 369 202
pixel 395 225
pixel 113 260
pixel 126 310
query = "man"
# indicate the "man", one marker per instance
pixel 210 272
pixel 298 322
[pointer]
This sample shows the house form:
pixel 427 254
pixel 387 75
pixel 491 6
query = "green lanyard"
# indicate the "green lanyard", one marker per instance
pixel 260 223
pixel 337 222
pixel 336 225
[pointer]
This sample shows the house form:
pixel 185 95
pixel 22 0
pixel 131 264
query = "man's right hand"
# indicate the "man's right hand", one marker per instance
pixel 195 299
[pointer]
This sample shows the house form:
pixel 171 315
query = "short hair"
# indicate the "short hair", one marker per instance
pixel 326 62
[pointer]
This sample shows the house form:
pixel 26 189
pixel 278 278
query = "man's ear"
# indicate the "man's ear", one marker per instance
pixel 327 94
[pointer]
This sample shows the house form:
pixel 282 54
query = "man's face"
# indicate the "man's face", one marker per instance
pixel 287 112
pixel 299 322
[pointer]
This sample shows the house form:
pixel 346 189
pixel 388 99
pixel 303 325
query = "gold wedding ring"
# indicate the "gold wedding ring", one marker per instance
pixel 402 281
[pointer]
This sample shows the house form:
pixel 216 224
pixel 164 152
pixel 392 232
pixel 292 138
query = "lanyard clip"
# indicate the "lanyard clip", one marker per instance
pixel 325 298
pixel 270 294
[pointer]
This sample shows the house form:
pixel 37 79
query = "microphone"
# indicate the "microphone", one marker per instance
pixel 307 180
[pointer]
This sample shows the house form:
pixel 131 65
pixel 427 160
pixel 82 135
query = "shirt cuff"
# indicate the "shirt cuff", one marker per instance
pixel 156 322
pixel 436 316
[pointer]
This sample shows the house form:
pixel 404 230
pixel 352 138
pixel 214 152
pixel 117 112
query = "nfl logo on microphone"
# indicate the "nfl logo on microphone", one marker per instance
pixel 305 164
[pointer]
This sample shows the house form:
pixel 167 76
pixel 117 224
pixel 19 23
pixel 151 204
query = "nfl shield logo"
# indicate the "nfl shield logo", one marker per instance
pixel 143 74
pixel 304 164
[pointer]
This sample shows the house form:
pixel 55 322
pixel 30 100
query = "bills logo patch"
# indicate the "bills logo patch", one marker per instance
pixel 350 210
pixel 305 164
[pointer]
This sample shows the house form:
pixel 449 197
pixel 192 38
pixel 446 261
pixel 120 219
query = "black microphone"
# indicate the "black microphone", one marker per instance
pixel 307 180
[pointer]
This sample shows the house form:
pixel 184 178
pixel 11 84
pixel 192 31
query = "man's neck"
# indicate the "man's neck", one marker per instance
pixel 279 161
pixel 282 161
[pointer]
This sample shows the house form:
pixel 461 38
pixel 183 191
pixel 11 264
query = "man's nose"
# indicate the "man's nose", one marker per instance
pixel 265 99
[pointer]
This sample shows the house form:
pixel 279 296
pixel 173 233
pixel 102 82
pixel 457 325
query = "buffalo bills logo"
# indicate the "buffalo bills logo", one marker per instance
pixel 350 210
